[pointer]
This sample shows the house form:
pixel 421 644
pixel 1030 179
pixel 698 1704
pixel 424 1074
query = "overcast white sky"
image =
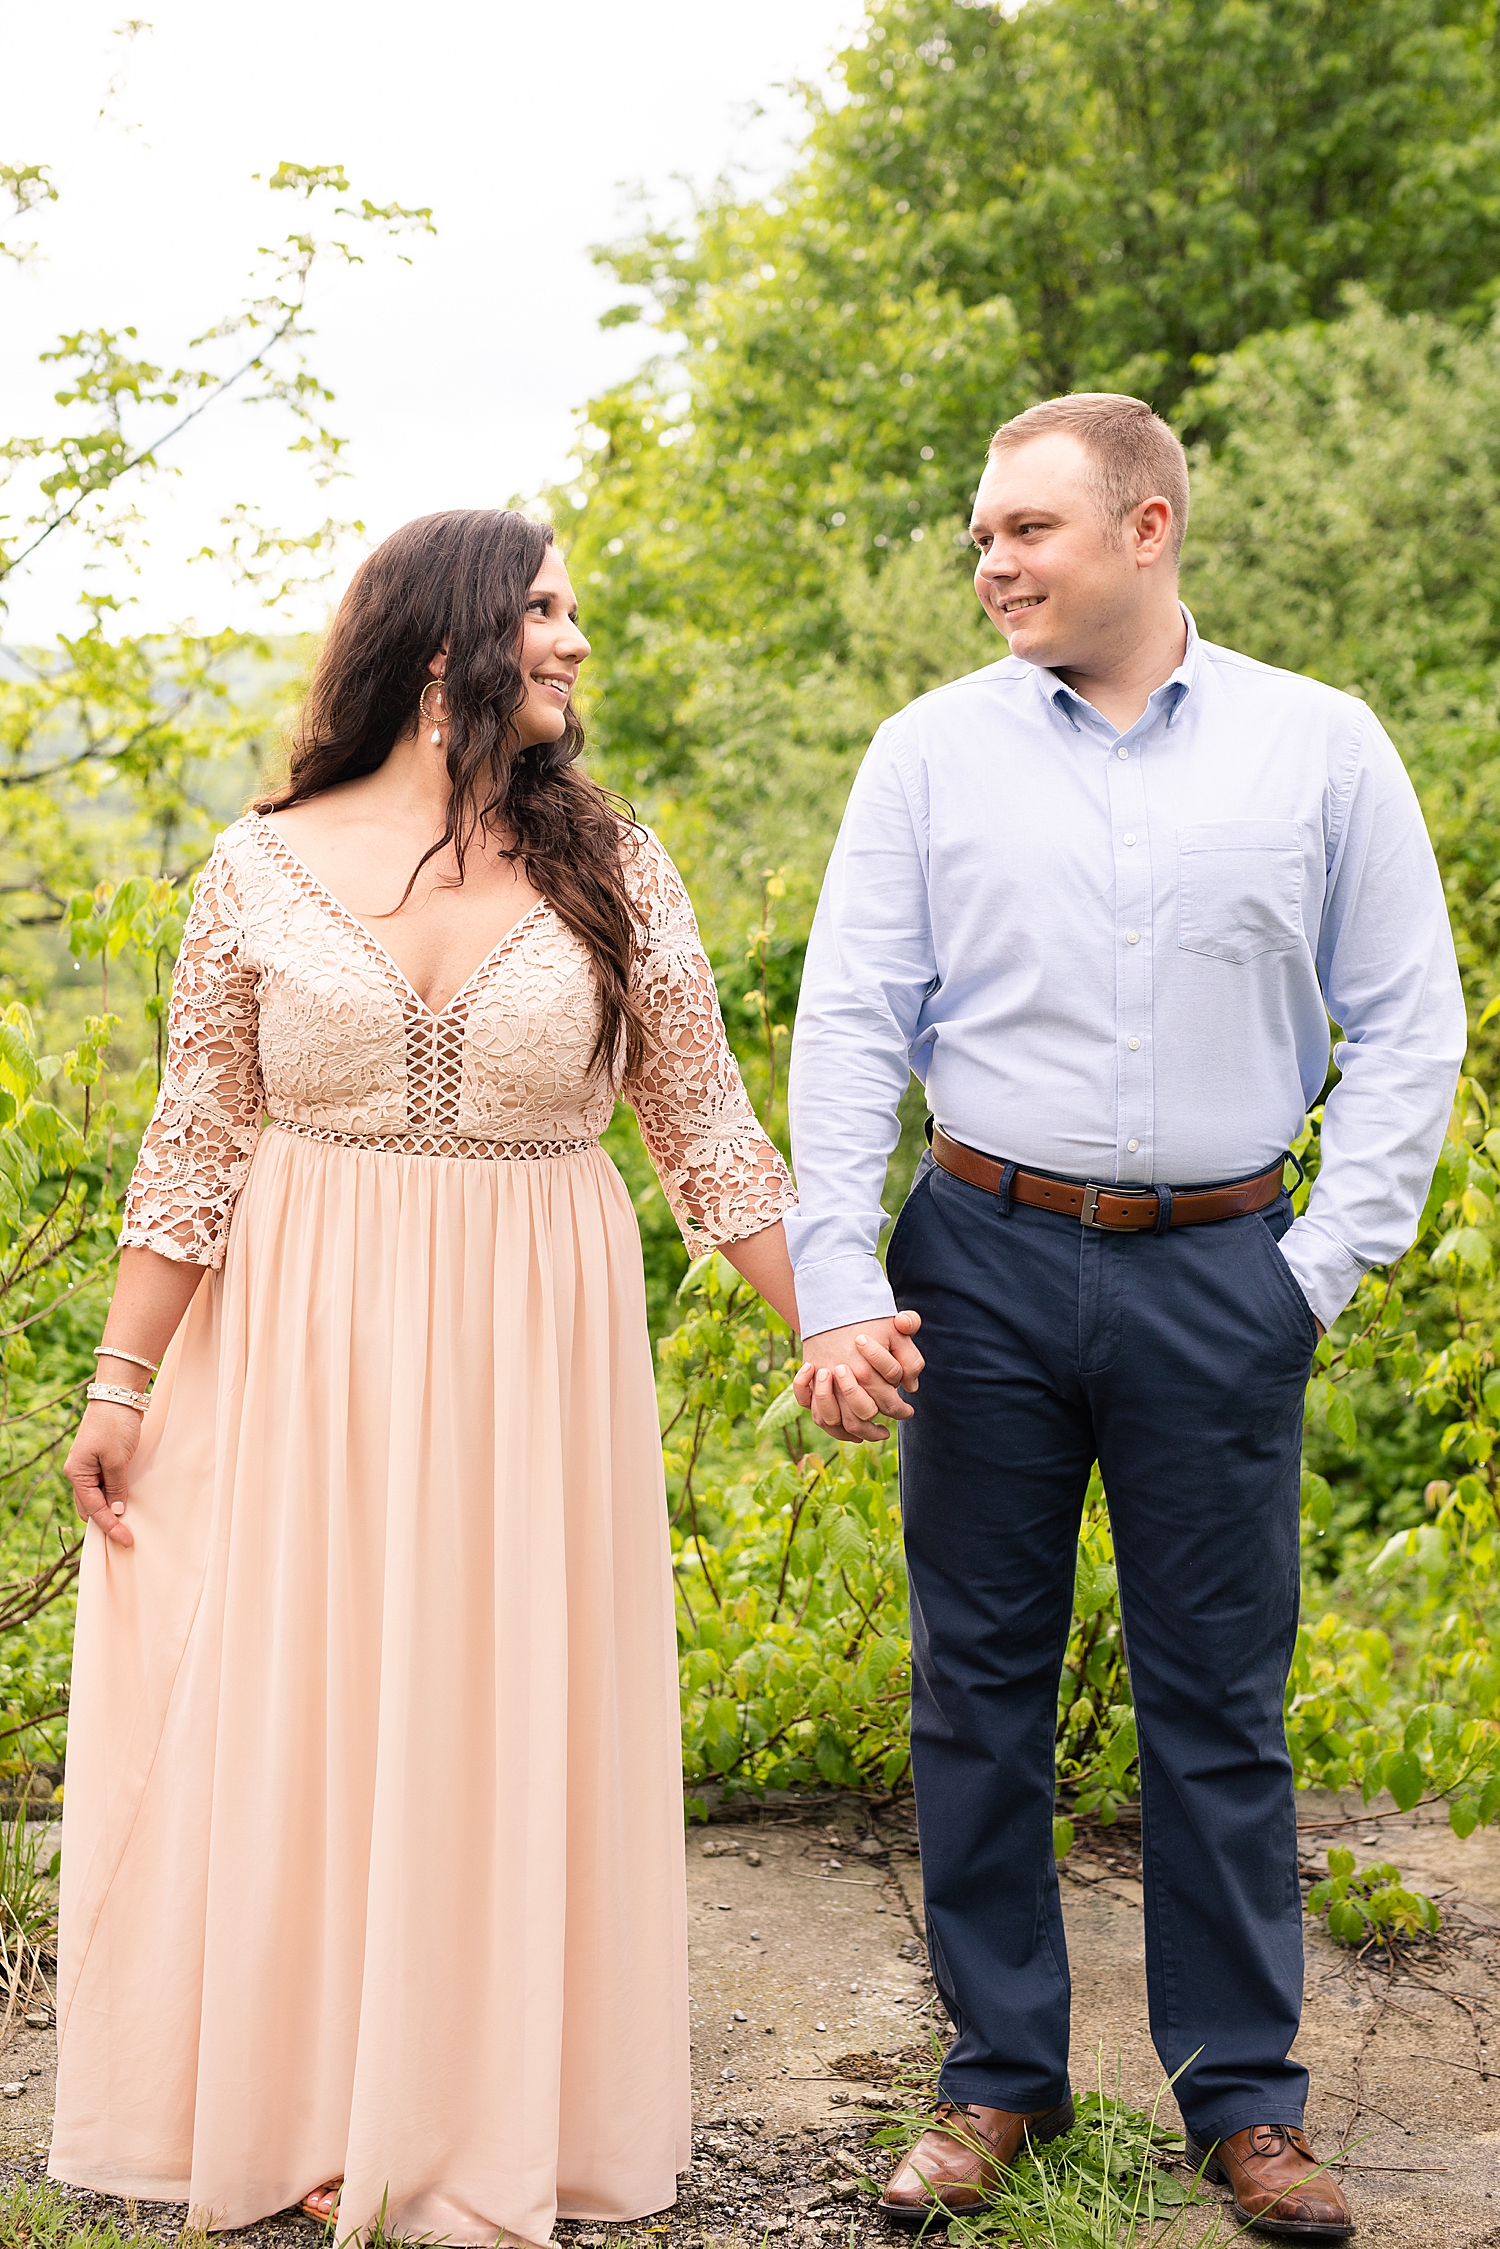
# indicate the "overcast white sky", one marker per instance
pixel 524 126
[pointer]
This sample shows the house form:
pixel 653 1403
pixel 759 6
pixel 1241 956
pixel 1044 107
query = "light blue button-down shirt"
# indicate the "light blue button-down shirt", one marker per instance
pixel 1108 955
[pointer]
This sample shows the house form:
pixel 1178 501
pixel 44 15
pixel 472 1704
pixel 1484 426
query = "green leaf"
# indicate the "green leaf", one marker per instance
pixel 830 1760
pixel 1317 1498
pixel 1465 1246
pixel 845 1540
pixel 1341 1418
pixel 1347 1922
pixel 1463 1816
pixel 1426 1545
pixel 1340 1861
pixel 18 1056
pixel 1452 1168
pixel 1121 1753
pixel 695 1274
pixel 1062 1838
pixel 779 1412
pixel 1403 1777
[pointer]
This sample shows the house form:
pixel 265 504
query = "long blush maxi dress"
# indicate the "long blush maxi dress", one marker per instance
pixel 372 1839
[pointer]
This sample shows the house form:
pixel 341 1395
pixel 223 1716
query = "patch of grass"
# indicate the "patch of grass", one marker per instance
pixel 1107 2169
pixel 35 2214
pixel 28 1913
pixel 28 1902
pixel 1102 2185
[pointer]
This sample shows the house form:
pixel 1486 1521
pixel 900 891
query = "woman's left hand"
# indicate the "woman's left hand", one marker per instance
pixel 96 1467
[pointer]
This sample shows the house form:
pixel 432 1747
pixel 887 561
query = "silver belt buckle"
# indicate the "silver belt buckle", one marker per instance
pixel 1089 1215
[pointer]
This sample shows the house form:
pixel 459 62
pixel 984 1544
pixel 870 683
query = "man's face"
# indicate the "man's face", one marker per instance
pixel 1063 585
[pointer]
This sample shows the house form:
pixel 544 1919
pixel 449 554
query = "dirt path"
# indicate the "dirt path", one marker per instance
pixel 808 1975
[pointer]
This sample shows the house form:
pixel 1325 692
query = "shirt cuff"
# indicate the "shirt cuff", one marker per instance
pixel 835 1292
pixel 1326 1272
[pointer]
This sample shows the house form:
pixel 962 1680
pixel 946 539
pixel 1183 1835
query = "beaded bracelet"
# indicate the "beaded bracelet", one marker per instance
pixel 113 1351
pixel 115 1394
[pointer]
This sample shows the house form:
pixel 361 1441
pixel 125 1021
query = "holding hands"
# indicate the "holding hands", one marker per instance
pixel 851 1375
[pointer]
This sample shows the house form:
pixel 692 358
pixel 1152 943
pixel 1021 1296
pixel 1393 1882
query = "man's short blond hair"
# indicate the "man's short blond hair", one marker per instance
pixel 1134 454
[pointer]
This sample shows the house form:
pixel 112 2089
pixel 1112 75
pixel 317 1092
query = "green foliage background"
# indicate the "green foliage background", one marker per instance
pixel 1279 220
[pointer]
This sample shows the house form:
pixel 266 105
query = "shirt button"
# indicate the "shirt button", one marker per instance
pixel 1130 839
pixel 1122 751
pixel 1133 1044
pixel 1132 936
pixel 1132 1145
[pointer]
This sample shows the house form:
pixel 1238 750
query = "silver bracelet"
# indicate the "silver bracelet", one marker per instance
pixel 115 1394
pixel 113 1351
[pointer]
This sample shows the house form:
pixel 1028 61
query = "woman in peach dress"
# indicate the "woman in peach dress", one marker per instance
pixel 372 1843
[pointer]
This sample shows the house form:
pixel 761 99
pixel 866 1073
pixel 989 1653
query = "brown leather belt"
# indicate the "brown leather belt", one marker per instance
pixel 1123 1209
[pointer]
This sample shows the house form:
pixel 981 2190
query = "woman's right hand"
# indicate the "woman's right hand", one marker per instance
pixel 95 1467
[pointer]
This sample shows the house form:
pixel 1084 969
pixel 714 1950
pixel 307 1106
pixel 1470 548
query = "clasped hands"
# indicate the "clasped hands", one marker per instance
pixel 850 1376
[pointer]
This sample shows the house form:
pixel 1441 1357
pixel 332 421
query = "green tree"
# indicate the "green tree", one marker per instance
pixel 107 736
pixel 1151 181
pixel 1346 523
pixel 1004 205
pixel 120 412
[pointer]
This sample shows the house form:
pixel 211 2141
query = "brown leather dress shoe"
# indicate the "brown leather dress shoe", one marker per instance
pixel 1267 2169
pixel 956 2164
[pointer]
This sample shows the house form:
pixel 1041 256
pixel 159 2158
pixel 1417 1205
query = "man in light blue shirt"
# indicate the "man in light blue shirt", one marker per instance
pixel 1104 897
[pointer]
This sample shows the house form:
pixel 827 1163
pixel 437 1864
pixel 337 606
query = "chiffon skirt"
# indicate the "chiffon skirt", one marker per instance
pixel 372 1838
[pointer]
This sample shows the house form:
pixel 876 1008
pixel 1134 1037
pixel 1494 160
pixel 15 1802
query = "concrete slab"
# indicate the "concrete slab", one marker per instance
pixel 802 1951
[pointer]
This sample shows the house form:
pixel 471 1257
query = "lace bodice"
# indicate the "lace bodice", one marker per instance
pixel 284 1003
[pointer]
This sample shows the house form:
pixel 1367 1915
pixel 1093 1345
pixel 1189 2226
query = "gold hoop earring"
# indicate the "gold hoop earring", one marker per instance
pixel 433 719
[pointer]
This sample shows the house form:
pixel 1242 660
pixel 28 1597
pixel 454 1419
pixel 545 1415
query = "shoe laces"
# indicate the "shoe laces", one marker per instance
pixel 1271 2140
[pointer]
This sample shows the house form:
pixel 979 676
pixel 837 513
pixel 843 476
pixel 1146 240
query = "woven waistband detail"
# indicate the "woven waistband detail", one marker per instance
pixel 438 1144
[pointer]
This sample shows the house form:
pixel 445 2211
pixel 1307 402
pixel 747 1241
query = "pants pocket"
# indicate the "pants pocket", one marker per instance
pixel 1287 1290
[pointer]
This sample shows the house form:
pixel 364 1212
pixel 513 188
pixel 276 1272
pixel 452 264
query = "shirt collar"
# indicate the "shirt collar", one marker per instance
pixel 1166 699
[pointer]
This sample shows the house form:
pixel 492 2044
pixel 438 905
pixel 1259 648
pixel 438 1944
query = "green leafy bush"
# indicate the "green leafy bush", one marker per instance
pixel 1370 1904
pixel 63 1164
pixel 790 1581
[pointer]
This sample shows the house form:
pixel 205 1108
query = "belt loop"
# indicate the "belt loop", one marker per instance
pixel 1163 1210
pixel 1289 1158
pixel 1002 1192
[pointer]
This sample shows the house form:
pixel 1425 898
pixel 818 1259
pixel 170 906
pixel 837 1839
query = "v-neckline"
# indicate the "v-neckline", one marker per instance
pixel 346 913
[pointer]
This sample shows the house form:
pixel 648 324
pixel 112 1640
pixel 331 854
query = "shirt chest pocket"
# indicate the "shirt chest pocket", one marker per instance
pixel 1239 888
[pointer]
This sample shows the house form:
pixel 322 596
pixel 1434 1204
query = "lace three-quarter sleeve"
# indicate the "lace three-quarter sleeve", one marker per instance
pixel 722 1177
pixel 202 1135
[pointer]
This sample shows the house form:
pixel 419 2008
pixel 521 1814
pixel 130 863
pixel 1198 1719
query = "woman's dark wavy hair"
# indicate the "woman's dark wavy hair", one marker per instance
pixel 460 580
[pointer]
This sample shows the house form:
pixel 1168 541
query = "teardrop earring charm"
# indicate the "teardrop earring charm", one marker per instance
pixel 436 717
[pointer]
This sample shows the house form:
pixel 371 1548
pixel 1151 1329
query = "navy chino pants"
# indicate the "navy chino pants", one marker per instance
pixel 1178 1360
